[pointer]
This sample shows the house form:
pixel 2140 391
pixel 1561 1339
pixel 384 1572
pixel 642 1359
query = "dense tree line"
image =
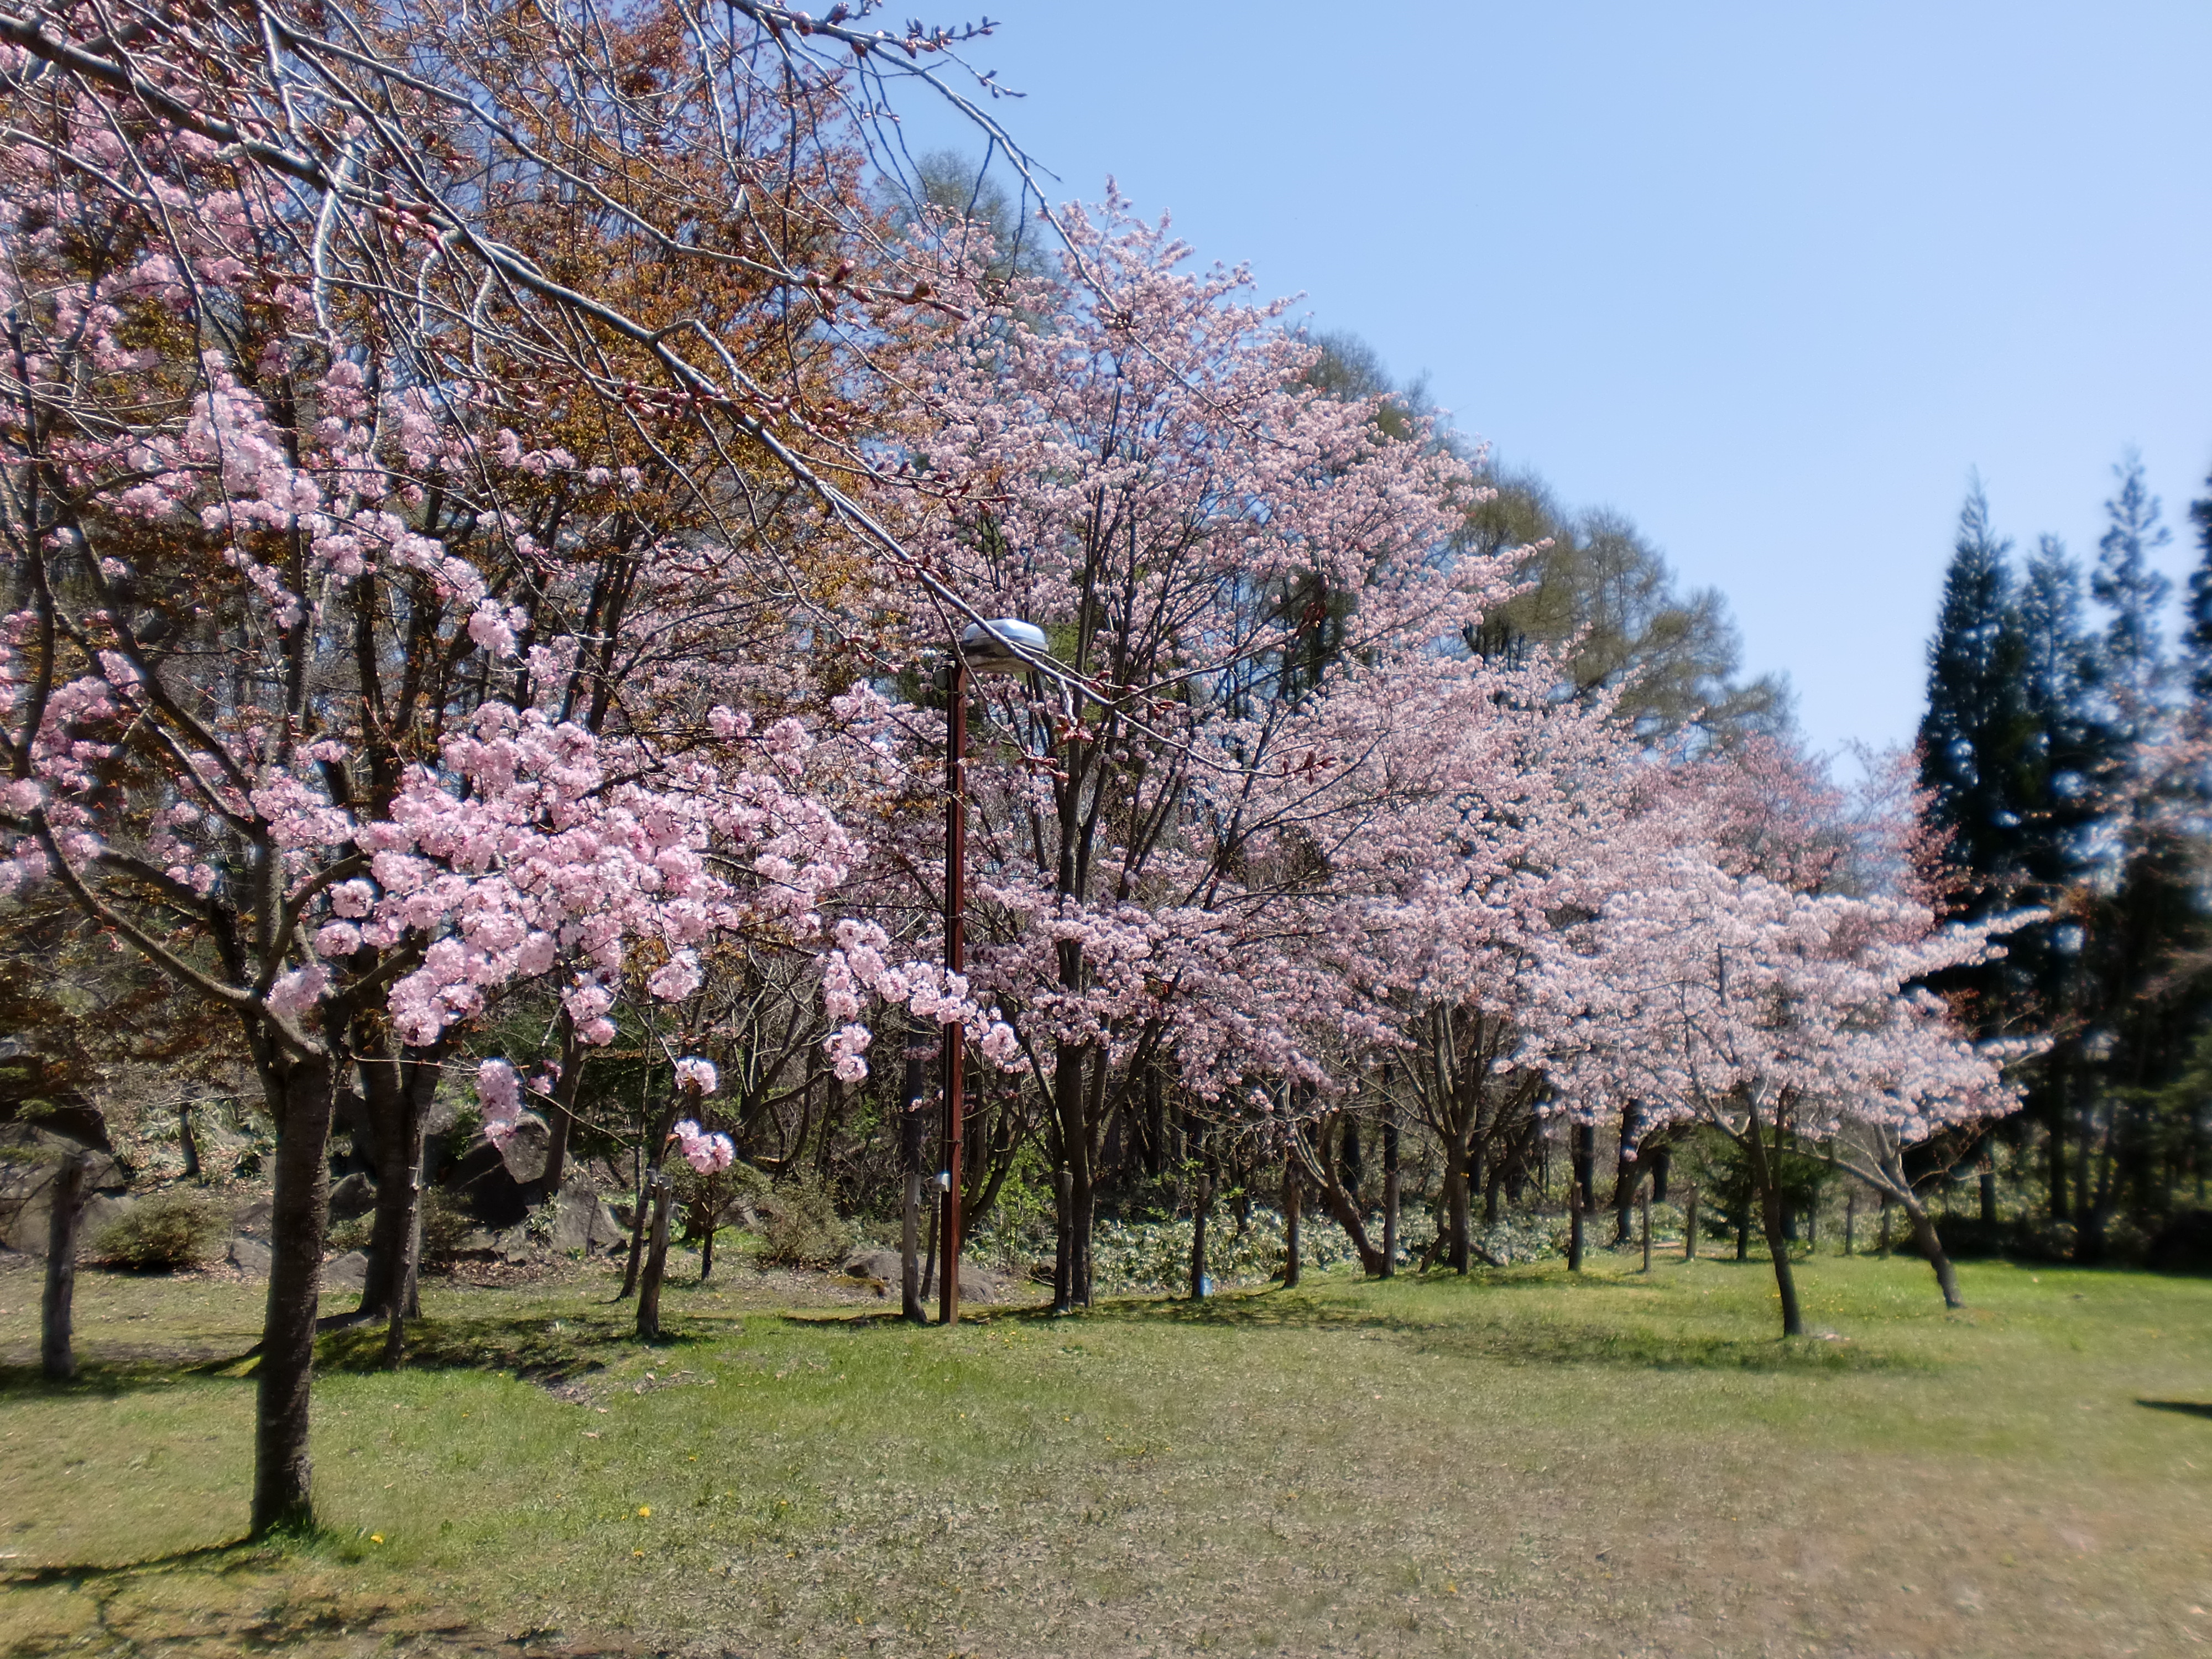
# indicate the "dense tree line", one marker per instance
pixel 2062 759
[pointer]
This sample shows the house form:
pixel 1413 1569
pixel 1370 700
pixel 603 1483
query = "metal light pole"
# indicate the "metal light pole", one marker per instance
pixel 983 648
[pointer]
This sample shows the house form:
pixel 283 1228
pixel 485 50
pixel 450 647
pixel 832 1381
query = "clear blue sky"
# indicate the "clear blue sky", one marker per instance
pixel 1770 279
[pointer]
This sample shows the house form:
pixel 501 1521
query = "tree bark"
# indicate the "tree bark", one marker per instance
pixel 1931 1246
pixel 1291 1219
pixel 1690 1226
pixel 1458 1205
pixel 1390 1190
pixel 914 1128
pixel 1645 1205
pixel 57 1350
pixel 299 1211
pixel 1769 1197
pixel 1200 1209
pixel 398 1094
pixel 656 1260
pixel 1850 1218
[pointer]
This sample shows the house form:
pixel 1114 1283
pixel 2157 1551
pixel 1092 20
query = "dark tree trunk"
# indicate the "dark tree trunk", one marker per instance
pixel 1390 1191
pixel 1201 1207
pixel 656 1261
pixel 1662 1162
pixel 299 1211
pixel 1458 1204
pixel 562 1118
pixel 912 1131
pixel 398 1097
pixel 187 1141
pixel 1850 1218
pixel 1581 1170
pixel 1987 1171
pixel 1769 1195
pixel 57 1350
pixel 1931 1246
pixel 1291 1219
pixel 1574 1231
pixel 1063 1259
pixel 1645 1207
pixel 1690 1226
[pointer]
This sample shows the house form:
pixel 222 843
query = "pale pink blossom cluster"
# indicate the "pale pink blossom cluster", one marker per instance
pixel 707 1153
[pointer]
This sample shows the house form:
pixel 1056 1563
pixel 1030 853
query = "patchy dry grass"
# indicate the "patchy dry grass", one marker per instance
pixel 1516 1464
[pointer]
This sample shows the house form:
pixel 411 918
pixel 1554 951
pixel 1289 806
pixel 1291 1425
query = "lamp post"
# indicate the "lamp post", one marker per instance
pixel 992 647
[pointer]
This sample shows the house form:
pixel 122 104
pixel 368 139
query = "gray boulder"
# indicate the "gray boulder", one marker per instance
pixel 347 1272
pixel 251 1257
pixel 874 1264
pixel 353 1196
pixel 30 1156
pixel 581 1218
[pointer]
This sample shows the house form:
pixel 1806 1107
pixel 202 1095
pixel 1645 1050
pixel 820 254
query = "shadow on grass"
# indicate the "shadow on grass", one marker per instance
pixel 2187 1407
pixel 533 1348
pixel 112 1378
pixel 78 1572
pixel 1591 1344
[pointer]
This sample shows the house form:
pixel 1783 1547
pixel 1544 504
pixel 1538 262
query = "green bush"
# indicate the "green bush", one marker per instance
pixel 446 1226
pixel 801 1227
pixel 165 1230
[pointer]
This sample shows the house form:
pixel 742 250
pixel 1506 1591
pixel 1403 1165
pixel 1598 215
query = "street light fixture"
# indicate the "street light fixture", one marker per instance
pixel 984 647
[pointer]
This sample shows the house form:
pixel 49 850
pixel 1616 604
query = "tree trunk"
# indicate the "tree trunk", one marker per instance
pixel 1769 1195
pixel 187 1141
pixel 56 1353
pixel 1574 1227
pixel 1201 1207
pixel 1923 1235
pixel 1389 1191
pixel 912 1131
pixel 1690 1226
pixel 656 1260
pixel 1987 1170
pixel 1063 1257
pixel 1345 1207
pixel 711 1198
pixel 298 1212
pixel 1645 1205
pixel 398 1094
pixel 1290 1218
pixel 1850 1218
pixel 563 1117
pixel 1458 1205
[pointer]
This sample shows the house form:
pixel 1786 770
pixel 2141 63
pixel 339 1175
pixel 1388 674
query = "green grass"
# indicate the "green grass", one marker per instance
pixel 1515 1463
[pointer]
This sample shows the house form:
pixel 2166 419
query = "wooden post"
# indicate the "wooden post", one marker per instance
pixel 1644 1200
pixel 1291 1219
pixel 1690 1225
pixel 56 1353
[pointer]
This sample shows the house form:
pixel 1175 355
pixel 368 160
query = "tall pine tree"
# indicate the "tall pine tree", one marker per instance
pixel 1975 743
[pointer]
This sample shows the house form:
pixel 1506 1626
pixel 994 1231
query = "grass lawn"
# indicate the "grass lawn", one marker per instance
pixel 1514 1463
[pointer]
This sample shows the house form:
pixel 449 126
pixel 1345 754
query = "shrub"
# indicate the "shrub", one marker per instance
pixel 162 1232
pixel 446 1226
pixel 801 1227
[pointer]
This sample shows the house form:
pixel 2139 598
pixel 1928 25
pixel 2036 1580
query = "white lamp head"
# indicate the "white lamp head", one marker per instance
pixel 988 648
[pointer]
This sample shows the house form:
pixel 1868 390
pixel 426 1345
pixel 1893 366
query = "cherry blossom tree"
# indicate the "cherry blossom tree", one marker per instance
pixel 1766 1014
